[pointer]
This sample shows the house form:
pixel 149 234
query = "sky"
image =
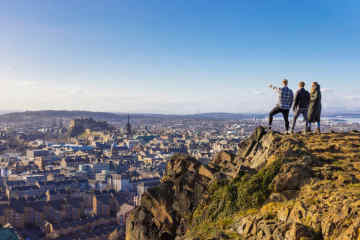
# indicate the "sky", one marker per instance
pixel 178 56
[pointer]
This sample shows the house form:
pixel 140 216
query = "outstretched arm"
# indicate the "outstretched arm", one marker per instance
pixel 277 89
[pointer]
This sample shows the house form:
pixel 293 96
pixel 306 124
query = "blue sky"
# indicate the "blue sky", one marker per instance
pixel 175 56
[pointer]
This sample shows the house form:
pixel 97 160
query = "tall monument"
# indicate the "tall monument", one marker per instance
pixel 128 128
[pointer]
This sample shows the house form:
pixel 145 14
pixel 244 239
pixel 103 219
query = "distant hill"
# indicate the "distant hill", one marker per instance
pixel 47 115
pixel 223 115
pixel 29 116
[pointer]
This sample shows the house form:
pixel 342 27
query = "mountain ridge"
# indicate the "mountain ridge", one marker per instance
pixel 121 115
pixel 110 116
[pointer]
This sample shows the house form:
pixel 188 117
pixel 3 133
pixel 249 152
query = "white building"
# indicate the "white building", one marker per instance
pixel 119 183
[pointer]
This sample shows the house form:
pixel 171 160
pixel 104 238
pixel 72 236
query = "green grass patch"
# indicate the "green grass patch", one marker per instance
pixel 227 199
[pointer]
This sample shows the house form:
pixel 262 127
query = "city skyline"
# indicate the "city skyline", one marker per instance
pixel 175 58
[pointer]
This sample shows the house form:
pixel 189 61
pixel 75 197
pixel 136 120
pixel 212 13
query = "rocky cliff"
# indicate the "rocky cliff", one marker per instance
pixel 276 187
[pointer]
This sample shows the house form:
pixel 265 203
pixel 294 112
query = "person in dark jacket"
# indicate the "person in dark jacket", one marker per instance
pixel 301 105
pixel 314 111
pixel 285 100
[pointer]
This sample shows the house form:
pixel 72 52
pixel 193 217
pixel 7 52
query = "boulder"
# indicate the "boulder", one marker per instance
pixel 164 211
pixel 292 176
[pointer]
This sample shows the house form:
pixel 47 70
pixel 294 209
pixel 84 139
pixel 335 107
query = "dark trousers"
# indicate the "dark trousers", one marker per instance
pixel 285 113
pixel 297 114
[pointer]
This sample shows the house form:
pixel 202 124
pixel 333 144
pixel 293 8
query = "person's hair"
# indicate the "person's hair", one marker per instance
pixel 302 84
pixel 316 86
pixel 285 81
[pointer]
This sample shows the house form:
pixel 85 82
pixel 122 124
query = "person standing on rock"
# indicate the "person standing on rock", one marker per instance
pixel 314 111
pixel 301 105
pixel 283 106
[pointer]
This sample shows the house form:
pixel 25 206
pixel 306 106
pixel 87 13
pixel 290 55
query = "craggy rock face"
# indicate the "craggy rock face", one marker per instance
pixel 165 210
pixel 313 194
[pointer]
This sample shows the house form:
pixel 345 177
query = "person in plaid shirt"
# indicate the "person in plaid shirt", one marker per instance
pixel 283 106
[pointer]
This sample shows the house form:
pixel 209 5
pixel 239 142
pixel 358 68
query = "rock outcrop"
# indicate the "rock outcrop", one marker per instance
pixel 279 187
pixel 166 210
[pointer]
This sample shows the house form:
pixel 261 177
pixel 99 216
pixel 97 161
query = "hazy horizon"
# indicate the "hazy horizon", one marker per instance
pixel 325 113
pixel 175 57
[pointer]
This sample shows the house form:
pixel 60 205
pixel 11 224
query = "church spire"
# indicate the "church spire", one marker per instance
pixel 128 128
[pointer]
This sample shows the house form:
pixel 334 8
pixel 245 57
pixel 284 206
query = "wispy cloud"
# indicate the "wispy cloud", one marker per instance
pixel 28 84
pixel 352 98
pixel 327 90
pixel 258 92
